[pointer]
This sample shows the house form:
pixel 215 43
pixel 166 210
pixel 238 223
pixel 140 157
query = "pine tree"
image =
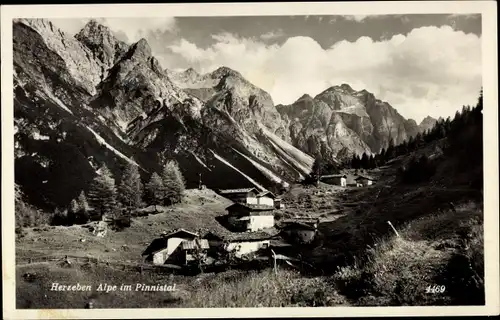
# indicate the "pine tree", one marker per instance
pixel 418 140
pixel 73 210
pixel 130 188
pixel 83 213
pixel 317 169
pixel 173 182
pixel 102 194
pixel 353 163
pixel 365 161
pixel 73 206
pixel 82 202
pixel 391 151
pixel 155 191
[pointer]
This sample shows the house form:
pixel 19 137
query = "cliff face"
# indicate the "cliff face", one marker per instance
pixel 341 122
pixel 90 99
pixel 105 48
pixel 227 90
pixel 59 138
pixel 427 124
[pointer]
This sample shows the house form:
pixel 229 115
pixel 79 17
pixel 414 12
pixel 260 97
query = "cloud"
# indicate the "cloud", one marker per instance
pixel 272 35
pixel 357 18
pixel 129 29
pixel 466 16
pixel 430 71
pixel 405 19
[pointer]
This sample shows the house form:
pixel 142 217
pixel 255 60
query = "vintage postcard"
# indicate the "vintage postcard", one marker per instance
pixel 249 160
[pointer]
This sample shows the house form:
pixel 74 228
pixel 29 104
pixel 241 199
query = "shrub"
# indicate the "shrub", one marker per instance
pixel 417 170
pixel 121 222
pixel 59 217
pixel 265 289
pixel 398 272
pixel 28 216
pixel 464 274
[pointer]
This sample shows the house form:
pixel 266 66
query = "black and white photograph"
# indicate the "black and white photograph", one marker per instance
pixel 293 159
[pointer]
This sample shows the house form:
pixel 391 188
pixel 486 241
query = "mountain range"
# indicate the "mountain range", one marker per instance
pixel 90 99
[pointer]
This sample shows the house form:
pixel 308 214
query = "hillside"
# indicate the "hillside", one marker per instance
pixel 358 259
pixel 89 100
pixel 92 99
pixel 342 122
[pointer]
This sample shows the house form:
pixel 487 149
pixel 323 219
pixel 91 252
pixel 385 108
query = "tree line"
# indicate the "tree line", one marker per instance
pixel 107 199
pixel 321 166
pixel 464 129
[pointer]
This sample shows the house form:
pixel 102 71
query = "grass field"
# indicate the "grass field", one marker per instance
pixel 232 288
pixel 198 210
pixel 360 260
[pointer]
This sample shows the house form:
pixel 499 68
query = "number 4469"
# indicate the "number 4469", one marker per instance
pixel 435 289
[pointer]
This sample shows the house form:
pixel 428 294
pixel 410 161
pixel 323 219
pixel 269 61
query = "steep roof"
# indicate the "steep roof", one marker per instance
pixel 263 193
pixel 243 236
pixel 242 190
pixel 364 178
pixel 251 207
pixel 299 225
pixel 333 176
pixel 161 242
pixel 193 244
pixel 179 230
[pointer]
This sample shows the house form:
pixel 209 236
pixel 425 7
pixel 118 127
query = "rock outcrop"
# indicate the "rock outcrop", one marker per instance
pixel 427 124
pixel 340 122
pixel 105 47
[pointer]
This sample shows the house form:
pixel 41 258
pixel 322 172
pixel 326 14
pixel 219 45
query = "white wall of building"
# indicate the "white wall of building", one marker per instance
pixel 260 222
pixel 172 244
pixel 252 200
pixel 343 182
pixel 242 248
pixel 160 256
pixel 265 201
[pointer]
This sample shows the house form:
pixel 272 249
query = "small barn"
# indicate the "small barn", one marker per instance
pixel 242 243
pixel 299 231
pixel 248 217
pixel 244 195
pixel 363 181
pixel 194 250
pixel 173 247
pixel 335 179
pixel 278 203
pixel 265 198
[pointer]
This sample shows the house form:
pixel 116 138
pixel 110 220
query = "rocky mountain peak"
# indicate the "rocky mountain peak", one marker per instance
pixel 427 123
pixel 347 87
pixel 223 72
pixel 93 27
pixel 191 72
pixel 86 70
pixel 140 50
pixel 105 47
pixel 305 97
pixel 428 120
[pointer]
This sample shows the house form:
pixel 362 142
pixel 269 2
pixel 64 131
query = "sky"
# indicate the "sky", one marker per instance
pixel 422 64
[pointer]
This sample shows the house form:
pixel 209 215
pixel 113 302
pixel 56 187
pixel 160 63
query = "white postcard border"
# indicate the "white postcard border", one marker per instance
pixel 490 84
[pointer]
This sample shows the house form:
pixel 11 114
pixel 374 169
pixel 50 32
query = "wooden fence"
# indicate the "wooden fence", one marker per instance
pixel 78 260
